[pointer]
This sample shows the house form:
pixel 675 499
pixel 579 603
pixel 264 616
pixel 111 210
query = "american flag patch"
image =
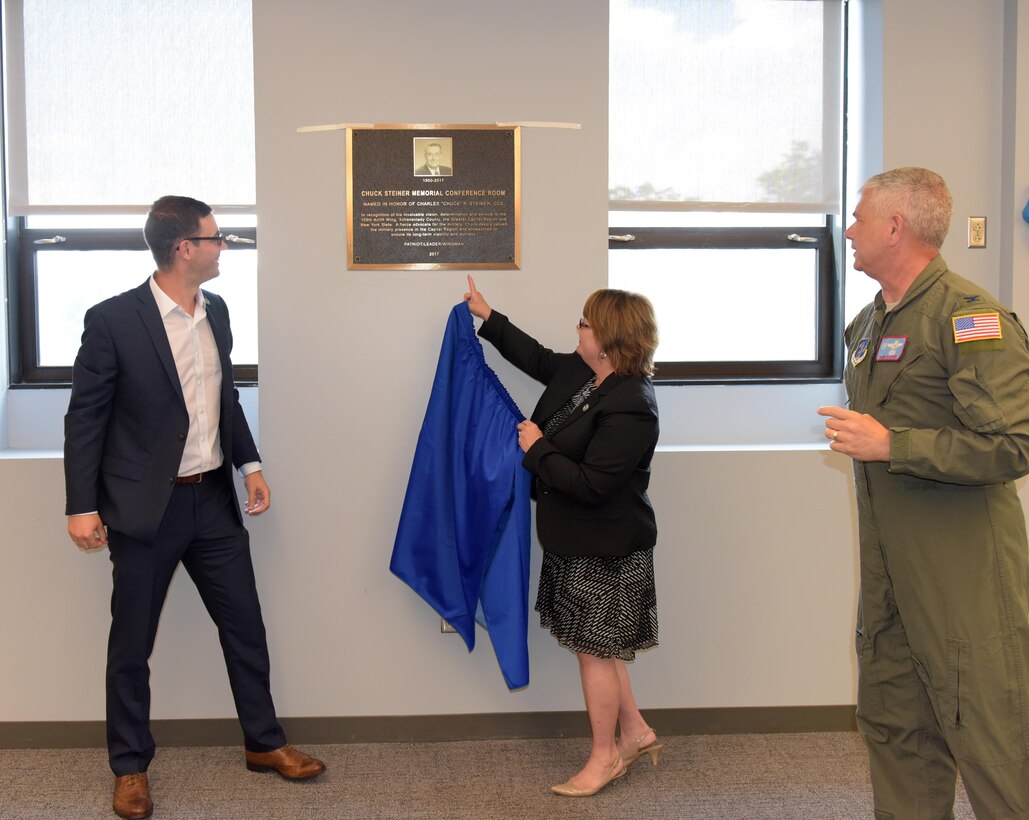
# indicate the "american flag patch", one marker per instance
pixel 974 326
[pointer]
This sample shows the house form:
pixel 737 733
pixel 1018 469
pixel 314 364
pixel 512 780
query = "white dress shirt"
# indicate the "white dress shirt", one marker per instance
pixel 200 374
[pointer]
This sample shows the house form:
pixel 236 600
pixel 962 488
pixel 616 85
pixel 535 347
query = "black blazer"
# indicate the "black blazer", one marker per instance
pixel 126 424
pixel 595 468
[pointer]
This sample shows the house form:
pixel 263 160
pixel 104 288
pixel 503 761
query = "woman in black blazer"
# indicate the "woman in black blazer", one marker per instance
pixel 589 443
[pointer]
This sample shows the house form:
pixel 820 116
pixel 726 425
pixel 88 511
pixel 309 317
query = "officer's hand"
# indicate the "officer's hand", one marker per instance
pixel 857 435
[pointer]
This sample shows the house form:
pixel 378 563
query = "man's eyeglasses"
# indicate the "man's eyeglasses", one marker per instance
pixel 218 237
pixel 583 324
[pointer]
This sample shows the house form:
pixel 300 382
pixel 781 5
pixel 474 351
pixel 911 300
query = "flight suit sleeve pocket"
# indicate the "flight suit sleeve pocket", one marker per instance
pixel 974 403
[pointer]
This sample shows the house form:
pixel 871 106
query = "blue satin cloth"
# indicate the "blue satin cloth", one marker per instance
pixel 463 539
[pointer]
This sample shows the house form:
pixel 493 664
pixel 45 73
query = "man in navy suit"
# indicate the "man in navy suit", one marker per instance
pixel 153 431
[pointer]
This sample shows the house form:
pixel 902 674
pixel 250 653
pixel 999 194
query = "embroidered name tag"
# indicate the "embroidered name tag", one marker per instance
pixel 891 348
pixel 859 352
pixel 974 326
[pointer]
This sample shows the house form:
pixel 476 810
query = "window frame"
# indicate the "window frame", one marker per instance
pixel 23 244
pixel 825 367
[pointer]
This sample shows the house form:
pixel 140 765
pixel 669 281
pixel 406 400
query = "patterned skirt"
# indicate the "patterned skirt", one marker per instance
pixel 602 606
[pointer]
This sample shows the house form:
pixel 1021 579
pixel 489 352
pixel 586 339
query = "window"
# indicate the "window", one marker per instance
pixel 108 108
pixel 725 182
pixel 66 264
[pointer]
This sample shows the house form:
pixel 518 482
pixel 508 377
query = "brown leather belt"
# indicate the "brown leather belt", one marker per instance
pixel 196 478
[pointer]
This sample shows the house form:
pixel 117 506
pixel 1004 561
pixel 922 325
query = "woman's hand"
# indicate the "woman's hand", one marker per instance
pixel 476 304
pixel 528 434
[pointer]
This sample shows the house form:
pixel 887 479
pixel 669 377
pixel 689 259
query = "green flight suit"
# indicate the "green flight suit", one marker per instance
pixel 943 618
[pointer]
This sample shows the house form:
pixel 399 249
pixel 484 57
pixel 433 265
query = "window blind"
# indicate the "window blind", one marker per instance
pixel 113 103
pixel 726 105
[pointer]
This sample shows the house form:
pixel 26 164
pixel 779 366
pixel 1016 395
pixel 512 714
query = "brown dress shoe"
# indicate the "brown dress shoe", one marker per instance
pixel 132 796
pixel 291 763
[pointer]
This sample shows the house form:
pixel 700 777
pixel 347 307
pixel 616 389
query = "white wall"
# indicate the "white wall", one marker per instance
pixel 757 559
pixel 1015 177
pixel 942 97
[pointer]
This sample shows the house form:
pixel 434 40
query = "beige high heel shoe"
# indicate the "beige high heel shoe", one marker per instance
pixel 568 789
pixel 653 750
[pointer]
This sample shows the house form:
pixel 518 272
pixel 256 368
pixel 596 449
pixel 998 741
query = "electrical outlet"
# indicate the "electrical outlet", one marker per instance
pixel 977 231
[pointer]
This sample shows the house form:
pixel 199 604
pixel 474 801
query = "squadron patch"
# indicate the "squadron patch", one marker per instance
pixel 973 327
pixel 891 348
pixel 857 355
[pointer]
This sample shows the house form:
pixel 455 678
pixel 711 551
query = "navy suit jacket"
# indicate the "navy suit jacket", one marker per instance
pixel 594 469
pixel 126 425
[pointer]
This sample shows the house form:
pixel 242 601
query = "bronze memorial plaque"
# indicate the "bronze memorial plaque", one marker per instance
pixel 428 197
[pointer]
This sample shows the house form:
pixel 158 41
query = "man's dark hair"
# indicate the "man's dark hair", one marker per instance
pixel 172 219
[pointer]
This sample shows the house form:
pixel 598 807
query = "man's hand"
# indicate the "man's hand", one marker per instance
pixel 259 497
pixel 857 435
pixel 87 531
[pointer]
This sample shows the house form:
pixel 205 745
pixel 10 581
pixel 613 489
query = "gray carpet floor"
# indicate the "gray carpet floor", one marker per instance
pixel 821 776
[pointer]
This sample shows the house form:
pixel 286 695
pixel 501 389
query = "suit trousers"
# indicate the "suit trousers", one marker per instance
pixel 200 529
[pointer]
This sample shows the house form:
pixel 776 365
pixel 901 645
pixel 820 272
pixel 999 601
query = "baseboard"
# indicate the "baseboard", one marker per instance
pixel 435 728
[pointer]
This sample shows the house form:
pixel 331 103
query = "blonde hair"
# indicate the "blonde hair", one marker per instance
pixel 624 326
pixel 920 196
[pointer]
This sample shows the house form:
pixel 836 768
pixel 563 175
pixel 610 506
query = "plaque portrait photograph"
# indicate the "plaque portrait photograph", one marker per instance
pixel 429 197
pixel 433 157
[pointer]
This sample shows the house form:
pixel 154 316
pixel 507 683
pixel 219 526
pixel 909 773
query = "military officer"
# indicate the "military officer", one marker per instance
pixel 937 377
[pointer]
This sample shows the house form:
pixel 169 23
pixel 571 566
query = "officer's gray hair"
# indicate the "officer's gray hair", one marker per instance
pixel 920 196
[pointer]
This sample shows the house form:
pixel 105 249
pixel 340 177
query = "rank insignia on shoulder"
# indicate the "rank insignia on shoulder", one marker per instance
pixel 972 327
pixel 891 348
pixel 972 297
pixel 857 355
